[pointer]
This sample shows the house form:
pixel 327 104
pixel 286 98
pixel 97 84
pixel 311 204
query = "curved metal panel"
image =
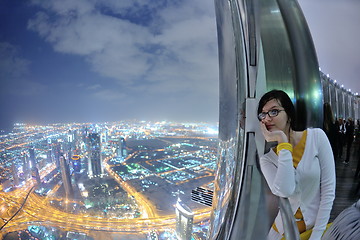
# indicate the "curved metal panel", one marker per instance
pixel 326 90
pixel 341 104
pixel 238 205
pixel 290 58
pixel 357 108
pixel 230 69
pixel 347 105
pixel 339 101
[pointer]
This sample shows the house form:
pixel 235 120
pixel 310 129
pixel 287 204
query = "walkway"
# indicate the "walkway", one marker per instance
pixel 347 191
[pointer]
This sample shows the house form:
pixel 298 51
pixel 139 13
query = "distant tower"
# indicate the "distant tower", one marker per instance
pixel 26 165
pixel 56 151
pixel 105 135
pixel 95 164
pixel 15 174
pixel 65 175
pixel 70 144
pixel 97 128
pixel 76 163
pixel 32 157
pixel 184 221
pixel 121 151
pixel 50 156
pixel 34 170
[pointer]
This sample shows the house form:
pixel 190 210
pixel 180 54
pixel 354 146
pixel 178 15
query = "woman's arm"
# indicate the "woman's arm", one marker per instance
pixel 327 183
pixel 281 178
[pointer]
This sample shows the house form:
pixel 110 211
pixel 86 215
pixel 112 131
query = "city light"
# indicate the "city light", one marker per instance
pixel 123 181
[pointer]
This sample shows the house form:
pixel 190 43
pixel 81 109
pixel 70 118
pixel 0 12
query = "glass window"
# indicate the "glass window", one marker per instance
pixel 109 123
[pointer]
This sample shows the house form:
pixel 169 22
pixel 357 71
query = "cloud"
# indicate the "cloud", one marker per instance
pixel 109 95
pixel 92 87
pixel 165 46
pixel 151 59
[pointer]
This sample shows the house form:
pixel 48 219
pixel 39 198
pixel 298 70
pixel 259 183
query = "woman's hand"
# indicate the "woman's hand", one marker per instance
pixel 274 136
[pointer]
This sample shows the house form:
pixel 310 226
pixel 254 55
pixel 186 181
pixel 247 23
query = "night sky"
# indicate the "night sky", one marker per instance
pixel 335 29
pixel 95 61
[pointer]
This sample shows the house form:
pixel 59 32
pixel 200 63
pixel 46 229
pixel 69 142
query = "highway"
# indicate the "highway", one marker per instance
pixel 38 211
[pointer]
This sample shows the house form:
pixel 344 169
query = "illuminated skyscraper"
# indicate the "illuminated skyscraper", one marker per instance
pixel 69 144
pixel 56 149
pixel 32 157
pixel 76 163
pixel 95 167
pixel 15 174
pixel 65 175
pixel 49 156
pixel 34 170
pixel 26 165
pixel 121 151
pixel 105 135
pixel 184 221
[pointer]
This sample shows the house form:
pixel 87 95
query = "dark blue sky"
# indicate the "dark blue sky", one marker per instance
pixel 86 61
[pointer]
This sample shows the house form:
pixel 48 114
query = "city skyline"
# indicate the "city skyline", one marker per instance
pixel 136 194
pixel 96 61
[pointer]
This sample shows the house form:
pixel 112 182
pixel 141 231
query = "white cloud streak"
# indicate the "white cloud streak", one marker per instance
pixel 157 52
pixel 184 49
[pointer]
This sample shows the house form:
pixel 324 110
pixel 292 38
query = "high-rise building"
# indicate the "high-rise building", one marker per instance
pixel 35 174
pixel 49 156
pixel 184 221
pixel 26 165
pixel 69 144
pixel 34 170
pixel 32 158
pixel 76 163
pixel 202 196
pixel 121 150
pixel 15 174
pixel 56 151
pixel 65 175
pixel 105 135
pixel 95 167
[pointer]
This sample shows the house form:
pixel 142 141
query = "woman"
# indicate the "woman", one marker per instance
pixel 301 167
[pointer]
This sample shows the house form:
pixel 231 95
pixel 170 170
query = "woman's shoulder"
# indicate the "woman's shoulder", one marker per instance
pixel 316 133
pixel 315 130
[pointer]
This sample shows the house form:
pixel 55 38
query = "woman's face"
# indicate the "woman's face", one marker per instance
pixel 279 122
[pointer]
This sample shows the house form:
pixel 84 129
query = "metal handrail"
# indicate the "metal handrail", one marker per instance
pixel 288 219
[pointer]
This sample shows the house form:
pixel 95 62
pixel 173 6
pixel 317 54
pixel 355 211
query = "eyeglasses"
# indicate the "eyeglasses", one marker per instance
pixel 271 113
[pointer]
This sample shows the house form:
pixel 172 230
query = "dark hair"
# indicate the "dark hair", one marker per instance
pixel 284 101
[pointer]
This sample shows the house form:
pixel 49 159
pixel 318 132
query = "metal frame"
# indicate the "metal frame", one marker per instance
pixel 263 44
